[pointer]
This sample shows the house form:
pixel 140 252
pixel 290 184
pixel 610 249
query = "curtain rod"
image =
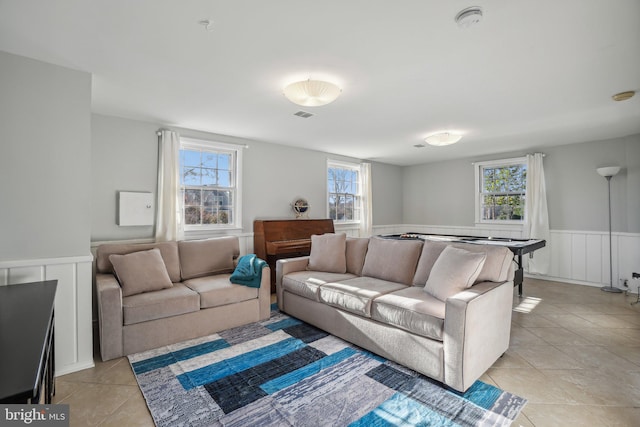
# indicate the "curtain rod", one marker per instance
pixel 159 132
pixel 500 160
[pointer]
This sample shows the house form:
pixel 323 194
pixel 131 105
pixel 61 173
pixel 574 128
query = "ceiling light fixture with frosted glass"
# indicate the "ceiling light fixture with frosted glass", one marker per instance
pixel 312 93
pixel 443 138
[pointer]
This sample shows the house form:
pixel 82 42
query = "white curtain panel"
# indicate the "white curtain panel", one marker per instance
pixel 169 216
pixel 537 226
pixel 366 226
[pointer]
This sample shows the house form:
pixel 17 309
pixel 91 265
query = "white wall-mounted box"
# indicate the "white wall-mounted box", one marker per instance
pixel 135 208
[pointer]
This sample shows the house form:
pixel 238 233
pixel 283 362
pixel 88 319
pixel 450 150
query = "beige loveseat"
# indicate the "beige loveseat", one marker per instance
pixel 432 306
pixel 169 292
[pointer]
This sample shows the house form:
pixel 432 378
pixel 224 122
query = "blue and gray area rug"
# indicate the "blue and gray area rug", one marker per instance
pixel 284 372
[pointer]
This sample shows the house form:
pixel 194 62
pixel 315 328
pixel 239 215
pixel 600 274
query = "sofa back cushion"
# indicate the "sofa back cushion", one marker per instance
pixel 328 253
pixel 142 271
pixel 168 251
pixel 454 271
pixel 200 258
pixel 495 268
pixel 356 253
pixel 392 260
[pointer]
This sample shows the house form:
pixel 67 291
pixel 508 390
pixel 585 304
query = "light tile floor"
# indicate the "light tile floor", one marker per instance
pixel 574 354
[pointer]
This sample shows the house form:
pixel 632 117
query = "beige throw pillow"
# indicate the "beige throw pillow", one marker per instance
pixel 328 253
pixel 454 271
pixel 139 272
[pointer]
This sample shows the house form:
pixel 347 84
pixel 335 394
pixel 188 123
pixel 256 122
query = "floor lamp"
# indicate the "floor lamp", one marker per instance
pixel 608 172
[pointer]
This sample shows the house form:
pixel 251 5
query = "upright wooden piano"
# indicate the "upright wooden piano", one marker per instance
pixel 274 239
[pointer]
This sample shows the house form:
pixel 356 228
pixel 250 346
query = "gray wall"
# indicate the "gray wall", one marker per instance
pixel 633 184
pixel 387 191
pixel 442 193
pixel 125 158
pixel 439 194
pixel 45 160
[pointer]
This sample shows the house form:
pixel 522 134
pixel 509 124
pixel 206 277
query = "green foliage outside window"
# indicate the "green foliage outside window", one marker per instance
pixel 503 192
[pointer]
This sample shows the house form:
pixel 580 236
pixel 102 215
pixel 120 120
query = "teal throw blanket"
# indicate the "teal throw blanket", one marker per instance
pixel 248 272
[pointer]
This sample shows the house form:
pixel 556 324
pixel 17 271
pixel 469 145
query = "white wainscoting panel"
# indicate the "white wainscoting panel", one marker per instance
pixel 351 230
pixel 73 327
pixel 629 260
pixel 593 258
pixel 560 246
pixel 579 256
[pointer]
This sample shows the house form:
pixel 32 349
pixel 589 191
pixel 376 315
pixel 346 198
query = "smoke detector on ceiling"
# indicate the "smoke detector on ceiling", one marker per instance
pixel 206 23
pixel 623 96
pixel 469 17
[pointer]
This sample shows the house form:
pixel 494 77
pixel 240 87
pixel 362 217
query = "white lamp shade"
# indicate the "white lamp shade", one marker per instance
pixel 443 138
pixel 312 93
pixel 608 171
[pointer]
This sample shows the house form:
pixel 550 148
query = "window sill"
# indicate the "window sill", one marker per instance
pixel 499 224
pixel 349 224
pixel 210 232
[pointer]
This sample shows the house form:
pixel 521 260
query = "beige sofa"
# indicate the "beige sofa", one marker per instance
pixel 441 311
pixel 169 292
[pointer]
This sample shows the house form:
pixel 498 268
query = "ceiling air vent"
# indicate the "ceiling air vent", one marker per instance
pixel 303 114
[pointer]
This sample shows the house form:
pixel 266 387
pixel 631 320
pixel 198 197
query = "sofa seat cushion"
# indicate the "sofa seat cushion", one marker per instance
pixel 355 295
pixel 307 283
pixel 413 310
pixel 217 290
pixel 159 304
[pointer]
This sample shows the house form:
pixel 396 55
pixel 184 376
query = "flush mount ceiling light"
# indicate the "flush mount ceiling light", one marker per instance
pixel 623 96
pixel 443 138
pixel 469 17
pixel 312 93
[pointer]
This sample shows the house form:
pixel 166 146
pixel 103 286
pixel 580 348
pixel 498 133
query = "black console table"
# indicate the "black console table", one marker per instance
pixel 27 342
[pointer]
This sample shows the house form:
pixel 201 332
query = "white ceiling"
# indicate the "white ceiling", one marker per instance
pixel 531 74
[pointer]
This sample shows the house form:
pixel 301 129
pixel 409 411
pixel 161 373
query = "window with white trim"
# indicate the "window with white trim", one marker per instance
pixel 344 197
pixel 210 184
pixel 501 191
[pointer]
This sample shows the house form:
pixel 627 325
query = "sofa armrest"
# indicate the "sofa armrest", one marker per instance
pixel 110 320
pixel 264 294
pixel 284 267
pixel 477 329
